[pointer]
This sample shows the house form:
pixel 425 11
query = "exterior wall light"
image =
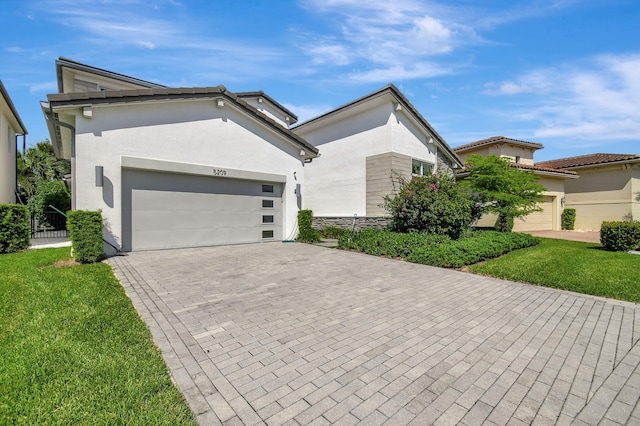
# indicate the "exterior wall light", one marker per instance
pixel 99 176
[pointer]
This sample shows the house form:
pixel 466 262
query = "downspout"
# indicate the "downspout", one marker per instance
pixel 51 117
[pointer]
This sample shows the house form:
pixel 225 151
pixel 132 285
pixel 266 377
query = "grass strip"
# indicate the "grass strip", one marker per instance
pixel 570 265
pixel 73 350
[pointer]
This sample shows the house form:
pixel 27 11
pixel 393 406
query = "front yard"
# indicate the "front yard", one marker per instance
pixel 570 265
pixel 567 265
pixel 74 351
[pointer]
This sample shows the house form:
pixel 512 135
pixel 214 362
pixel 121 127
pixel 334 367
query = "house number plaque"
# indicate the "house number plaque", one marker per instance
pixel 219 172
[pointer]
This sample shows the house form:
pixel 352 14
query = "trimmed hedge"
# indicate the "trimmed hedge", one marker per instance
pixel 85 231
pixel 332 232
pixel 476 248
pixel 568 219
pixel 435 250
pixel 306 233
pixel 15 228
pixel 380 242
pixel 620 236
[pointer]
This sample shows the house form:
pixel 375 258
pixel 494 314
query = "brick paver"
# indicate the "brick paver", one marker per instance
pixel 298 334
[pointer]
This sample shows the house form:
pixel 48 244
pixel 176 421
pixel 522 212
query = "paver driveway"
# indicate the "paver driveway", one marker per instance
pixel 291 333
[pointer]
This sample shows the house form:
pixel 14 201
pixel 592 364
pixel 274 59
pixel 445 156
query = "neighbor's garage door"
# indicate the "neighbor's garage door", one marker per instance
pixel 167 210
pixel 538 221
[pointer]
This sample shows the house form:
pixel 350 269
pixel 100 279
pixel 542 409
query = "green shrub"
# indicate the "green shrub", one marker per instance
pixel 620 236
pixel 15 229
pixel 85 231
pixel 481 245
pixel 332 232
pixel 47 193
pixel 568 219
pixel 504 224
pixel 433 249
pixel 380 242
pixel 435 204
pixel 306 233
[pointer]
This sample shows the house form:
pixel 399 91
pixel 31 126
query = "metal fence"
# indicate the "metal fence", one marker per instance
pixel 52 225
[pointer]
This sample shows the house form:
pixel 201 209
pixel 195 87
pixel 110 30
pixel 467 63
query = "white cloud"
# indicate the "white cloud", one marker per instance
pixel 598 99
pixel 306 112
pixel 400 72
pixel 330 53
pixel 392 40
pixel 46 87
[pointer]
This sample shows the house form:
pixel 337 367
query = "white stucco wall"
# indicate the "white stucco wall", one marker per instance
pixel 192 132
pixel 336 182
pixel 7 161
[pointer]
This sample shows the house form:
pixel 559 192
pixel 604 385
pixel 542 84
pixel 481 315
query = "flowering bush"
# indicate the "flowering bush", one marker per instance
pixel 434 204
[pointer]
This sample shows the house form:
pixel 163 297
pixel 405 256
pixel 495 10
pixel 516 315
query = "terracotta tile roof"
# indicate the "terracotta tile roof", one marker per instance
pixel 538 168
pixel 495 140
pixel 533 168
pixel 587 160
pixel 179 93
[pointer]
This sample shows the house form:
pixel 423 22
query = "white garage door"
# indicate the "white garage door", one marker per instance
pixel 538 221
pixel 167 210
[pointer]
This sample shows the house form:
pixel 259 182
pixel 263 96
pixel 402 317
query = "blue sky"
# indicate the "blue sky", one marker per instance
pixel 563 73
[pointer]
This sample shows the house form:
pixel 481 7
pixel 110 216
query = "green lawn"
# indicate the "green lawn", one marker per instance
pixel 570 265
pixel 74 351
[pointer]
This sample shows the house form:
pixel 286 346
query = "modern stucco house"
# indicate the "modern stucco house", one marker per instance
pixel 366 146
pixel 177 167
pixel 520 154
pixel 607 190
pixel 186 167
pixel 10 125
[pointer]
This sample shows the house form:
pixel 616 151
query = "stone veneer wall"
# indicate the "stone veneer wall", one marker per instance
pixel 377 222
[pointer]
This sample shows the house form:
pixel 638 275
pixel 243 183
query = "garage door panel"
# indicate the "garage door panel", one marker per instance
pixel 538 221
pixel 162 210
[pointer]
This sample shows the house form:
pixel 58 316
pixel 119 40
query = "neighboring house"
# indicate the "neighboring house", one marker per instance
pixel 10 126
pixel 520 153
pixel 366 146
pixel 177 167
pixel 607 190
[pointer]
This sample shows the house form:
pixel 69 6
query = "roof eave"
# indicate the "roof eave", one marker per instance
pixel 606 163
pixel 397 95
pixel 22 128
pixel 70 63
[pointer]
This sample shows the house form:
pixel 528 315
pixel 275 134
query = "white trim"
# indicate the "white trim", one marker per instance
pixel 197 169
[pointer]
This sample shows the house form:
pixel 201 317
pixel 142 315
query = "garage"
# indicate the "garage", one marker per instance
pixel 163 210
pixel 537 221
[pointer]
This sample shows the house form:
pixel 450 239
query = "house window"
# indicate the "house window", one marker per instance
pixel 420 168
pixel 267 234
pixel 267 204
pixel 267 218
pixel 267 188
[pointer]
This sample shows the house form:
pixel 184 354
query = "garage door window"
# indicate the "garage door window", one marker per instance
pixel 267 218
pixel 267 234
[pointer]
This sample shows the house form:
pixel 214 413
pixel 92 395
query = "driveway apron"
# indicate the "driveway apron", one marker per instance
pixel 297 334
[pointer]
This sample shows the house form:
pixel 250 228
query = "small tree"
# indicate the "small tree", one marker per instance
pixel 48 193
pixel 434 204
pixel 503 189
